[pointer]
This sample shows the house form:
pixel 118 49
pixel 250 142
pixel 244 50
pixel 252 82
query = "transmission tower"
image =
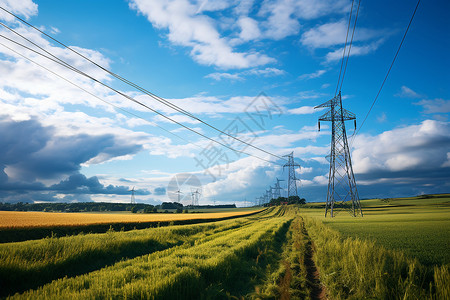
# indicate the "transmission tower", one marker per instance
pixel 133 200
pixel 277 189
pixel 260 200
pixel 342 192
pixel 292 180
pixel 269 194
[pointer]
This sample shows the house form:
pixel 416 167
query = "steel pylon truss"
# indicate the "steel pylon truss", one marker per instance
pixel 342 192
pixel 292 180
pixel 277 189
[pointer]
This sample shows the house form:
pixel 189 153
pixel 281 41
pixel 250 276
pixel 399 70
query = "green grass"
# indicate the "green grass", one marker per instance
pixel 359 269
pixel 419 227
pixel 223 263
pixel 397 250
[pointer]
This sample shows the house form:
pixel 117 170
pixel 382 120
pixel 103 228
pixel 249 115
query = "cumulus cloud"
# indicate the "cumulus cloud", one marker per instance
pixel 159 191
pixel 334 33
pixel 283 16
pixel 418 149
pixel 80 184
pixel 31 155
pixel 31 151
pixel 249 29
pixel 188 27
pixel 25 8
pixel 188 23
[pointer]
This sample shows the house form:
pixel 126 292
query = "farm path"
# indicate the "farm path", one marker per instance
pixel 317 289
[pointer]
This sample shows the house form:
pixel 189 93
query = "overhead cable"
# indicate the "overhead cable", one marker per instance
pixel 143 90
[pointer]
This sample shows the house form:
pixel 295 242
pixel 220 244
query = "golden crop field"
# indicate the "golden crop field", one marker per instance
pixel 16 219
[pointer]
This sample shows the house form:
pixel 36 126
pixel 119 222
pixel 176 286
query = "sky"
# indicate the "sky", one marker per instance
pixel 253 69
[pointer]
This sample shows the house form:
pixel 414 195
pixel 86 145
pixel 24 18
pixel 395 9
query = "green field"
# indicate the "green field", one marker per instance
pixel 397 250
pixel 419 226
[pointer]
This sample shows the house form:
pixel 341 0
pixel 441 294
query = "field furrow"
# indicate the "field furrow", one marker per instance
pixel 28 265
pixel 211 266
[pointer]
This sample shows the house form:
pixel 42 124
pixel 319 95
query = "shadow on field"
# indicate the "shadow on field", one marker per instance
pixel 14 280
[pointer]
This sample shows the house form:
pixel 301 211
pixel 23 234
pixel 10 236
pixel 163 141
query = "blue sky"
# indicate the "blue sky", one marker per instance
pixel 219 60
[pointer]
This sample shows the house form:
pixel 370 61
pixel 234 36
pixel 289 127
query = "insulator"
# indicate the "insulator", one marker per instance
pixel 355 124
pixel 319 125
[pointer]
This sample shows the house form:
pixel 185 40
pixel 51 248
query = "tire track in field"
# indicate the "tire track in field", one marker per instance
pixel 317 289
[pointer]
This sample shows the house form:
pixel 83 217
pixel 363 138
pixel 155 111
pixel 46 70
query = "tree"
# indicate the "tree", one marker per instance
pixel 134 209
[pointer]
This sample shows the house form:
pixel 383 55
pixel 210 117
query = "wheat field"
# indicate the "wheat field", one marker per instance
pixel 17 219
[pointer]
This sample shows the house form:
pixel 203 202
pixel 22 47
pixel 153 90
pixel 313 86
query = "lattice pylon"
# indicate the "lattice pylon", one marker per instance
pixel 342 192
pixel 292 179
pixel 277 189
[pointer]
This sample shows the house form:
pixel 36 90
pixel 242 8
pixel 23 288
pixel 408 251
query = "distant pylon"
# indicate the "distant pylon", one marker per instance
pixel 260 201
pixel 342 192
pixel 292 180
pixel 133 200
pixel 277 189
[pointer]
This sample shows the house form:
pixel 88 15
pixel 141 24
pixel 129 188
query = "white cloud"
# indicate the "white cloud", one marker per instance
pixel 355 51
pixel 416 147
pixel 325 35
pixel 283 15
pixel 198 31
pixel 436 106
pixel 249 29
pixel 303 110
pixel 25 8
pixel 267 72
pixel 406 92
pixel 281 21
pixel 313 75
pixel 219 76
pixel 331 34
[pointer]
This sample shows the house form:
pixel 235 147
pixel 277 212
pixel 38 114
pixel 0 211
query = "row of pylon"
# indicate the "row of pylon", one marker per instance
pixel 342 193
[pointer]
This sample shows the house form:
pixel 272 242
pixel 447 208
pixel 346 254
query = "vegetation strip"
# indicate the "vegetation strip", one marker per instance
pixel 30 264
pixel 360 269
pixel 210 266
pixel 19 234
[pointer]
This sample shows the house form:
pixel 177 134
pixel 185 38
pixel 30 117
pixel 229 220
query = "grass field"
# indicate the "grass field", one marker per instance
pixel 418 226
pixel 287 252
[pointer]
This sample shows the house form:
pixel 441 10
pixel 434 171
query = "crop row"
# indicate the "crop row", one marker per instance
pixel 209 266
pixel 30 264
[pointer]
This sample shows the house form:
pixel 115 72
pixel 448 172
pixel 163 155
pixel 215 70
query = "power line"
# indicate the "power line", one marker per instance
pixel 345 46
pixel 351 43
pixel 70 67
pixel 95 96
pixel 157 98
pixel 389 70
